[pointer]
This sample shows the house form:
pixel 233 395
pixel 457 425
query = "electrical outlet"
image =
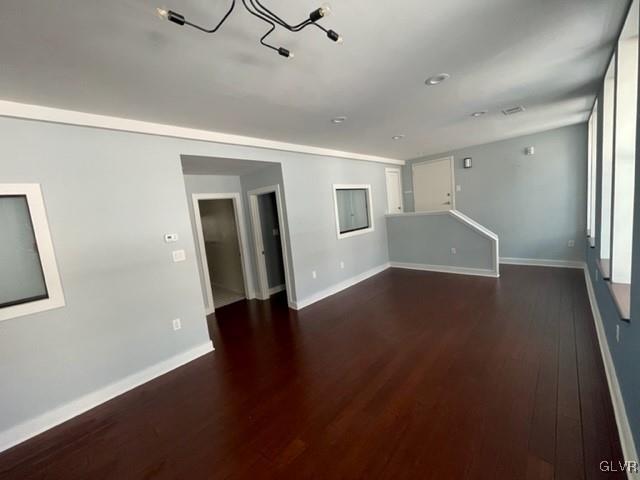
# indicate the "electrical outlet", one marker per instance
pixel 313 274
pixel 342 265
pixel 177 324
pixel 458 188
pixel 179 255
pixel 453 251
pixel 571 243
pixel 618 333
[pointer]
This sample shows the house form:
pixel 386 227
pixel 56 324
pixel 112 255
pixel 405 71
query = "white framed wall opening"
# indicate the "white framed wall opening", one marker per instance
pixel 270 242
pixel 592 174
pixel 608 123
pixel 624 161
pixel 29 278
pixel 353 209
pixel 222 246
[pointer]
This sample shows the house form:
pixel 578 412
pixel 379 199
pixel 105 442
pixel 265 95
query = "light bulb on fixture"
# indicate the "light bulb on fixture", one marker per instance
pixel 162 13
pixel 326 9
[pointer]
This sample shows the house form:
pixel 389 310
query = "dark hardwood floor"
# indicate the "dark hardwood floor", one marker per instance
pixel 408 375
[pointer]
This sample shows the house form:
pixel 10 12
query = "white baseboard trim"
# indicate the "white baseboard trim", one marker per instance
pixel 624 430
pixel 338 287
pixel 535 262
pixel 30 428
pixel 481 272
pixel 277 289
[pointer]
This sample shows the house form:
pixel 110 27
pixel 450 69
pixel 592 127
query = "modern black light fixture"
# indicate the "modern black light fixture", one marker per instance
pixel 257 9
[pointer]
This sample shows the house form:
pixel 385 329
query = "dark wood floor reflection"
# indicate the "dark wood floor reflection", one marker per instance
pixel 408 375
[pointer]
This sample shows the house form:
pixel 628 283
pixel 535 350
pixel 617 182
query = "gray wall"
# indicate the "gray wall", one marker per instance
pixel 110 198
pixel 312 223
pixel 535 204
pixel 428 239
pixel 271 239
pixel 207 184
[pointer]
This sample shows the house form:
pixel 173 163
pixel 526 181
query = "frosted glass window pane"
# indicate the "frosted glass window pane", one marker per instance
pixel 21 276
pixel 607 160
pixel 353 210
pixel 625 149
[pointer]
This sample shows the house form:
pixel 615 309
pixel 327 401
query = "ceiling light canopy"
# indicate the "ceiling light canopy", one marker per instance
pixel 258 10
pixel 437 79
pixel 479 114
pixel 397 137
pixel 338 120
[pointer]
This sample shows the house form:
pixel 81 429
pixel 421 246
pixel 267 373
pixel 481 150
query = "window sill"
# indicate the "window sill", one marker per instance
pixel 604 266
pixel 621 293
pixel 355 233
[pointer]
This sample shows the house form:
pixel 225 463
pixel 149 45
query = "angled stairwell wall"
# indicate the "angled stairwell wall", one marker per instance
pixel 443 241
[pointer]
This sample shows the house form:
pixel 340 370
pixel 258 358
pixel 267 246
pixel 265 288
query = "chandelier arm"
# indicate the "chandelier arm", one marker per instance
pixel 266 20
pixel 214 29
pixel 293 28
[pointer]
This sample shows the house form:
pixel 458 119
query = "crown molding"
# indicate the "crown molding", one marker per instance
pixel 71 117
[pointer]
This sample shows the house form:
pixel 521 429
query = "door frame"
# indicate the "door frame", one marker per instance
pixel 386 178
pixel 254 213
pixel 453 177
pixel 242 239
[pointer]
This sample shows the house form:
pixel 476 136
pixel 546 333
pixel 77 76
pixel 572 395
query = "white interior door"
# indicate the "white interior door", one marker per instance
pixel 432 185
pixel 394 191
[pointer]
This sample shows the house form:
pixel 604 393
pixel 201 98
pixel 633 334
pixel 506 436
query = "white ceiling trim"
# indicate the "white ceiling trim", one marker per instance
pixel 71 117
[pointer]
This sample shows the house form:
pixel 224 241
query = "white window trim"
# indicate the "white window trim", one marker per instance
pixel 45 248
pixel 371 228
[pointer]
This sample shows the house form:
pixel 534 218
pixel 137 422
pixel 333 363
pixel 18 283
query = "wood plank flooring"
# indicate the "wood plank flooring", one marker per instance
pixel 408 375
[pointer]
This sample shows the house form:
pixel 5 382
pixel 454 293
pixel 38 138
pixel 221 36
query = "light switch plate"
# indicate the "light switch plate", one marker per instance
pixel 179 255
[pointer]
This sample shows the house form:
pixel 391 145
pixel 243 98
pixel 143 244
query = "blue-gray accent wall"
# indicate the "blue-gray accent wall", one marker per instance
pixel 626 352
pixel 428 240
pixel 536 203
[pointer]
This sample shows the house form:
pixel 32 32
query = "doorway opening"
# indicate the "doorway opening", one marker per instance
pixel 221 238
pixel 433 185
pixel 269 241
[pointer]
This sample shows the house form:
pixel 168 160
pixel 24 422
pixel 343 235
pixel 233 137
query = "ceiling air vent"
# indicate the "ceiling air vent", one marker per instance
pixel 513 110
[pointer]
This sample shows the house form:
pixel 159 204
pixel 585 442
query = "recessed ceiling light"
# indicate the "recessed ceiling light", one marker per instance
pixel 513 110
pixel 436 79
pixel 397 137
pixel 479 114
pixel 338 120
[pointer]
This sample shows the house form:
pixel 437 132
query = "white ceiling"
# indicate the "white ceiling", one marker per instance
pixel 116 58
pixel 197 165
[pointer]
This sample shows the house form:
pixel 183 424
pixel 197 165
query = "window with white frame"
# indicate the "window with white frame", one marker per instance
pixel 592 174
pixel 607 166
pixel 624 160
pixel 29 279
pixel 353 209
